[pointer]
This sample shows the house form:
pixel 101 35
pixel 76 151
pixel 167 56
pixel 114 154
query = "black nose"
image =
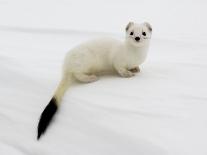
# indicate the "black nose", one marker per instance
pixel 137 38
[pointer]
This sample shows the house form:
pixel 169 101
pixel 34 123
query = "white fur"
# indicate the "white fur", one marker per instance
pixel 87 60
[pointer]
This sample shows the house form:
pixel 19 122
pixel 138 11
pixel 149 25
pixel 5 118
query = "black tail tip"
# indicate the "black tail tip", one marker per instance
pixel 39 135
pixel 46 117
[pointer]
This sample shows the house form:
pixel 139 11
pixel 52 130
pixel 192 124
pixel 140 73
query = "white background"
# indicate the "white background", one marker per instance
pixel 161 111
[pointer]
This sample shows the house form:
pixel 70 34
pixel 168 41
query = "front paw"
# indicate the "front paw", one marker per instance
pixel 127 74
pixel 134 70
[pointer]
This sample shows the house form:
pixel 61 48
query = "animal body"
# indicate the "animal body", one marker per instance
pixel 85 62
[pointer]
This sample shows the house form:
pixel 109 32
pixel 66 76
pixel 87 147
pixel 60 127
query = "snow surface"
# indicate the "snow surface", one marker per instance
pixel 161 111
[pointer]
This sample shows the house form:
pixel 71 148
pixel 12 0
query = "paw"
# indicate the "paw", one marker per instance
pixel 92 78
pixel 126 74
pixel 134 70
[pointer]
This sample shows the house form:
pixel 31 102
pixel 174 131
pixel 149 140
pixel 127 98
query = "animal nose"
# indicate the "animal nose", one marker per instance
pixel 137 38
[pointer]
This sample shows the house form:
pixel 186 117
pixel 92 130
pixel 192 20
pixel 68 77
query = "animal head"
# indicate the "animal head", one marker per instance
pixel 138 34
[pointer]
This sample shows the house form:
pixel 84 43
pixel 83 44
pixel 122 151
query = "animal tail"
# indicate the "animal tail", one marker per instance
pixel 52 107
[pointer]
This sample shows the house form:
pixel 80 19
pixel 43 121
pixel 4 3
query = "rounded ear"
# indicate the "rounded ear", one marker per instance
pixel 129 25
pixel 148 26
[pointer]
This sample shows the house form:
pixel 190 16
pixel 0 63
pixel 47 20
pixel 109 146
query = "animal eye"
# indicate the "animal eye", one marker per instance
pixel 144 33
pixel 131 33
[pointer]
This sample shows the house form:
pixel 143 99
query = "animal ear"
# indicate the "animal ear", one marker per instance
pixel 129 25
pixel 148 26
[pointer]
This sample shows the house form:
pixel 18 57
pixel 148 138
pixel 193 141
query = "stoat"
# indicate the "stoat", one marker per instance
pixel 84 62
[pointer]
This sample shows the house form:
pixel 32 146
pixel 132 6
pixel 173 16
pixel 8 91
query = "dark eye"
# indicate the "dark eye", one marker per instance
pixel 144 33
pixel 131 33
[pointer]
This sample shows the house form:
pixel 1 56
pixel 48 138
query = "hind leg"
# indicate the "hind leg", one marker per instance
pixel 82 77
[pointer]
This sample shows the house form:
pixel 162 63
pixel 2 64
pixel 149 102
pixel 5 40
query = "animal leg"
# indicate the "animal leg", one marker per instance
pixel 82 77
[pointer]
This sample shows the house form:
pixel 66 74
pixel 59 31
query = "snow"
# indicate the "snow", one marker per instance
pixel 161 111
